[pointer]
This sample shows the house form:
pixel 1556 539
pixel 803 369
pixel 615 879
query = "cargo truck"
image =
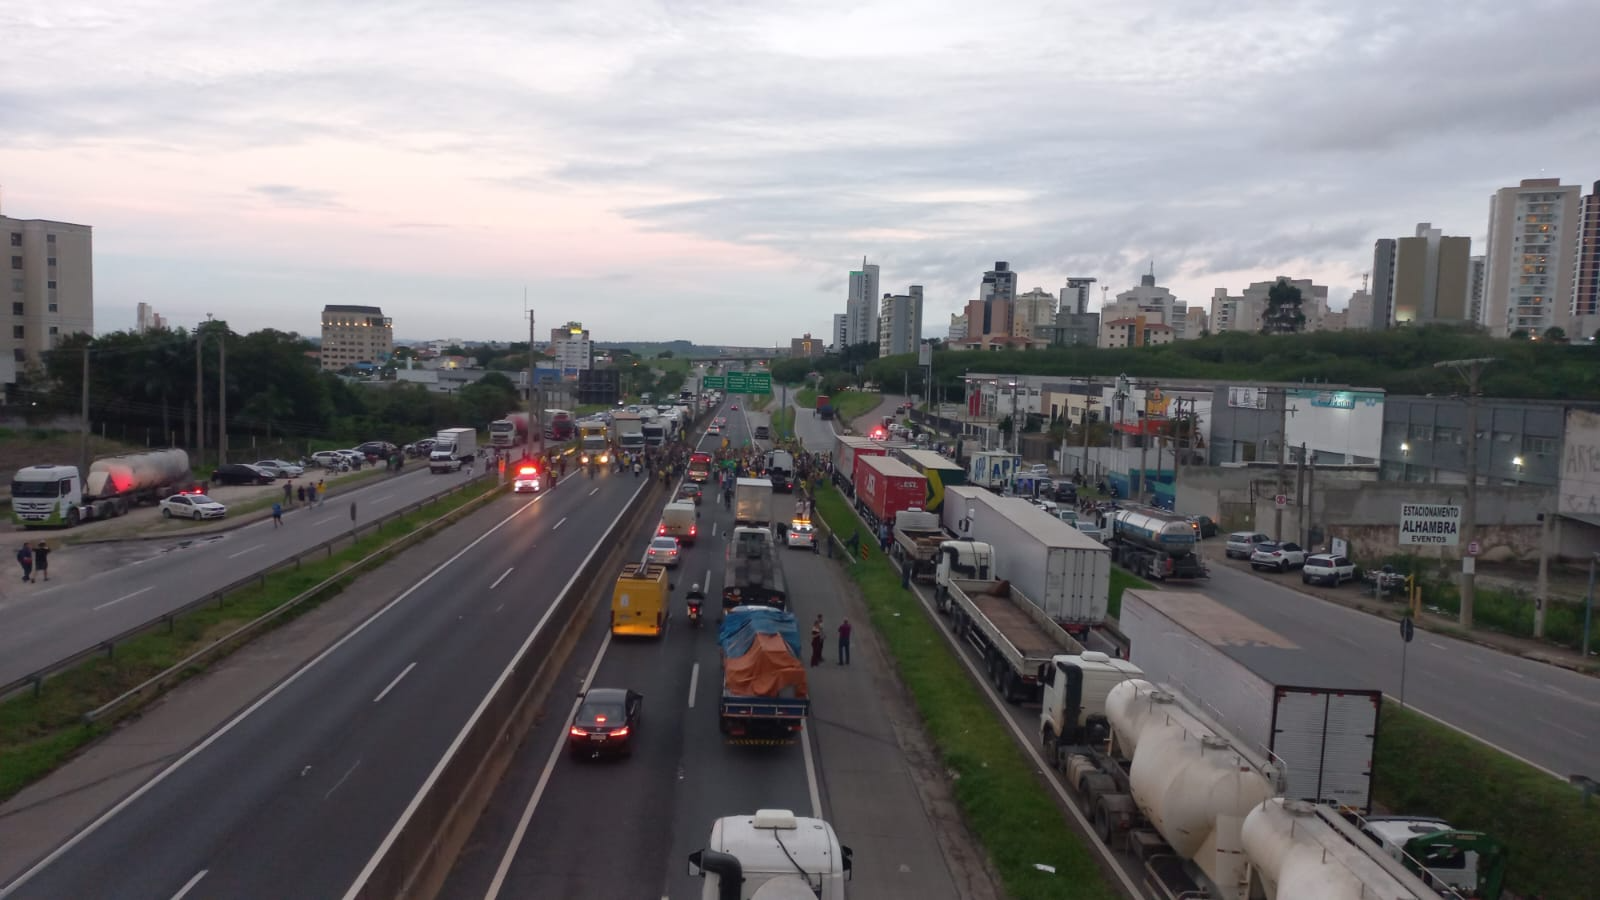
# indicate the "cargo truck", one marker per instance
pixel 55 495
pixel 764 696
pixel 917 537
pixel 885 487
pixel 780 470
pixel 772 854
pixel 630 431
pixel 1014 639
pixel 511 431
pixel 594 442
pixel 1061 569
pixel 824 406
pixel 452 449
pixel 942 473
pixel 1154 544
pixel 751 572
pixel 847 449
pixel 753 503
pixel 655 432
pixel 992 469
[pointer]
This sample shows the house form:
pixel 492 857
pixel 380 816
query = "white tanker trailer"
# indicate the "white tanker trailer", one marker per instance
pixel 1153 543
pixel 47 495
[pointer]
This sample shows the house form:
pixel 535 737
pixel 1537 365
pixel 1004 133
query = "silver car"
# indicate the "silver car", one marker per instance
pixel 1242 544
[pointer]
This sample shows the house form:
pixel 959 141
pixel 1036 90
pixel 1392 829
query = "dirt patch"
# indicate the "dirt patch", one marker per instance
pixel 21 447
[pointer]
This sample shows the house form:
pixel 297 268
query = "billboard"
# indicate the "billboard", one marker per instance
pixel 1580 466
pixel 1429 524
pixel 1247 397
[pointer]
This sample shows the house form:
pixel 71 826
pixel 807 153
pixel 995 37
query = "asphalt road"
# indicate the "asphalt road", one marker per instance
pixel 624 828
pixel 292 796
pixel 136 581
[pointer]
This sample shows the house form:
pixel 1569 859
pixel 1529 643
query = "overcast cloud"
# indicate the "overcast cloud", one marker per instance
pixel 711 170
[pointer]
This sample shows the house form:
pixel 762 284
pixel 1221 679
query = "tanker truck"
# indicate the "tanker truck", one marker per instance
pixel 511 431
pixel 53 495
pixel 1154 543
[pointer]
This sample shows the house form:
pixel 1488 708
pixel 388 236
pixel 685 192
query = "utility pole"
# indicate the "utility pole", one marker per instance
pixel 83 430
pixel 1472 371
pixel 199 400
pixel 1284 412
pixel 1542 589
pixel 222 396
pixel 535 429
pixel 1088 410
pixel 1300 497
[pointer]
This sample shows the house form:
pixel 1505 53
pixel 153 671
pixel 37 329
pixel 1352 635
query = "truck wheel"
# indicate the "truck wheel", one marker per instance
pixel 72 517
pixel 1047 740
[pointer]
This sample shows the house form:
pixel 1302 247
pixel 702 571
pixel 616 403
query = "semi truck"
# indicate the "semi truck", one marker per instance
pixel 917 537
pixel 655 431
pixel 559 425
pixel 764 696
pixel 847 449
pixel 1061 569
pixel 1154 543
pixel 452 449
pixel 751 572
pixel 1014 638
pixel 56 495
pixel 780 470
pixel 942 473
pixel 885 487
pixel 993 469
pixel 753 503
pixel 824 406
pixel 594 442
pixel 630 431
pixel 773 855
pixel 511 431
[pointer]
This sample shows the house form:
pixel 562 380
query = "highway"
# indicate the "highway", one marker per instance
pixel 292 796
pixel 135 581
pixel 623 829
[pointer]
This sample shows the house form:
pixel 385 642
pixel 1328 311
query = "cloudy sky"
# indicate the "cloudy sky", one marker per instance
pixel 712 170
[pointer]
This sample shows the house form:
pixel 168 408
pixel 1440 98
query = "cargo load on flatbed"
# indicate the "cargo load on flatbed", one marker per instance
pixel 764 693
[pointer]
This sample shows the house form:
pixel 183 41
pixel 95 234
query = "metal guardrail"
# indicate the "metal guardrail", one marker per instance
pixel 107 647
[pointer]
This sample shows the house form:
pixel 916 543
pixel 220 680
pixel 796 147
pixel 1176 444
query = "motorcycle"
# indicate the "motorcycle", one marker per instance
pixel 696 600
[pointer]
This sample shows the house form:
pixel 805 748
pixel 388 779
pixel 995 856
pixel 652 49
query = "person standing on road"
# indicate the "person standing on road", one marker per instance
pixel 277 515
pixel 300 494
pixel 25 560
pixel 844 642
pixel 816 643
pixel 288 493
pixel 41 560
pixel 322 491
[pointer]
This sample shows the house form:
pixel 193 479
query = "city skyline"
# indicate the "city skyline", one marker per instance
pixel 621 172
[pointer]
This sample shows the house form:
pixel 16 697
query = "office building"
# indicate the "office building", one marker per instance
pixel 1358 312
pixel 841 331
pixel 49 287
pixel 1428 278
pixel 1533 230
pixel 1383 259
pixel 1075 296
pixel 900 322
pixel 1035 309
pixel 1072 329
pixel 145 318
pixel 805 347
pixel 989 325
pixel 571 347
pixel 958 328
pixel 1586 276
pixel 861 307
pixel 355 334
pixel 999 283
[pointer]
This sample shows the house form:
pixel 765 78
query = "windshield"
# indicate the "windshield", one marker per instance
pixel 49 488
pixel 199 498
pixel 600 714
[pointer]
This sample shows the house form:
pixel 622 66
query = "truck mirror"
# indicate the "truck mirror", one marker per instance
pixel 849 867
pixel 694 865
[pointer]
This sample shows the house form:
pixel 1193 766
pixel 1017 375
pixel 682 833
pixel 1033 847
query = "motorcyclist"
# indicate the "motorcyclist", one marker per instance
pixel 696 598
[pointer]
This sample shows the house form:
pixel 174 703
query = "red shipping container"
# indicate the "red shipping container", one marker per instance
pixel 885 486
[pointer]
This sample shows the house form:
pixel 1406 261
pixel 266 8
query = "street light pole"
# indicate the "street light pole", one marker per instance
pixel 1472 371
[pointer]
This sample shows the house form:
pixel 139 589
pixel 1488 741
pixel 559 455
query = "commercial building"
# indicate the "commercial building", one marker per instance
pixel 571 347
pixel 861 306
pixel 355 334
pixel 1383 260
pixel 900 322
pixel 49 288
pixel 1428 278
pixel 1533 233
pixel 1586 275
pixel 989 327
pixel 958 328
pixel 1358 312
pixel 841 331
pixel 999 283
pixel 805 347
pixel 1519 441
pixel 1075 296
pixel 145 319
pixel 1035 309
pixel 1072 329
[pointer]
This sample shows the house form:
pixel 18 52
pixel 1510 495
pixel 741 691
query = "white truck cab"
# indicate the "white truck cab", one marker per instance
pixel 772 855
pixel 1074 706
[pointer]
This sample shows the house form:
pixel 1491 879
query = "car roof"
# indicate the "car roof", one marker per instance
pixel 606 695
pixel 663 538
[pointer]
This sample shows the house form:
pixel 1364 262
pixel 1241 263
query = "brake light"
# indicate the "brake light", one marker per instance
pixel 620 732
pixel 662 529
pixel 694 530
pixel 599 720
pixel 575 731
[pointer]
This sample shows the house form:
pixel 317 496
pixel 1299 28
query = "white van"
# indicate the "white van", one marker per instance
pixel 678 520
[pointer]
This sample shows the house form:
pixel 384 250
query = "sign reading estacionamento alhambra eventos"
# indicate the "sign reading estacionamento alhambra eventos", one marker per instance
pixel 1429 524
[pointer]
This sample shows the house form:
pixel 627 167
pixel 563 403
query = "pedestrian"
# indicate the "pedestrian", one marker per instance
pixel 844 642
pixel 816 645
pixel 41 560
pixel 300 494
pixel 322 491
pixel 277 515
pixel 25 560
pixel 468 466
pixel 288 493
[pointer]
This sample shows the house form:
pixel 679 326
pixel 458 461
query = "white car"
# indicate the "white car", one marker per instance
pixel 663 551
pixel 1279 556
pixel 802 534
pixel 1327 568
pixel 292 470
pixel 331 459
pixel 713 428
pixel 192 506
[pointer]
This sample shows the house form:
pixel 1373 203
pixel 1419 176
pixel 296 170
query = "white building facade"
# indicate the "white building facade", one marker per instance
pixel 571 347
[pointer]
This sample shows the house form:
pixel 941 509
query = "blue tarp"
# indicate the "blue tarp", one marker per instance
pixel 743 623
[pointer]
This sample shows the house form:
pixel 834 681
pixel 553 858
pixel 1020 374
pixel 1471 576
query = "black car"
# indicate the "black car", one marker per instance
pixel 605 724
pixel 1203 526
pixel 376 449
pixel 691 492
pixel 239 473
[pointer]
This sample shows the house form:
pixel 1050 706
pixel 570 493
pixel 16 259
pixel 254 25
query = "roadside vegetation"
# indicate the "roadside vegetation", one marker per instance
pixel 34 446
pixel 783 423
pixel 1551 832
pixel 1001 796
pixel 40 732
pixel 848 405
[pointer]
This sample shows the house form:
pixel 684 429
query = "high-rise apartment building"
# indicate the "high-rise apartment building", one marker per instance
pixel 958 328
pixel 861 307
pixel 355 334
pixel 1477 281
pixel 571 347
pixel 1358 313
pixel 145 319
pixel 1533 231
pixel 1035 309
pixel 1155 303
pixel 1428 277
pixel 49 288
pixel 1313 301
pixel 999 283
pixel 900 322
pixel 1235 313
pixel 1075 296
pixel 841 331
pixel 1383 260
pixel 1586 274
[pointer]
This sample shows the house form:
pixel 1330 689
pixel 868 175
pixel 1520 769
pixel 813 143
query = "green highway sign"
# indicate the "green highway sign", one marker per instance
pixel 758 383
pixel 736 383
pixel 711 382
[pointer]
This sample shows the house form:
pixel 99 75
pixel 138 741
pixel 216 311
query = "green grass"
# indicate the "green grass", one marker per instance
pixel 783 423
pixel 1001 796
pixel 1552 836
pixel 1121 580
pixel 851 404
pixel 39 733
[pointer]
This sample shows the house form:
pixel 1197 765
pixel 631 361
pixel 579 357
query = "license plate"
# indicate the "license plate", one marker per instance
pixel 597 738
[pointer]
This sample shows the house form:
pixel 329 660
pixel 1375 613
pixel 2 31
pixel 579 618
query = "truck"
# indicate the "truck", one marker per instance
pixel 56 495
pixel 886 486
pixel 559 425
pixel 1154 544
pixel 764 695
pixel 774 855
pixel 992 469
pixel 1262 689
pixel 511 431
pixel 917 537
pixel 780 470
pixel 630 431
pixel 846 449
pixel 452 449
pixel 1063 571
pixel 594 442
pixel 1013 637
pixel 655 432
pixel 941 473
pixel 751 571
pixel 824 406
pixel 753 503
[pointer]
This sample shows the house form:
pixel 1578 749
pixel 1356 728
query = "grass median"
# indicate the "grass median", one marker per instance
pixel 998 787
pixel 39 733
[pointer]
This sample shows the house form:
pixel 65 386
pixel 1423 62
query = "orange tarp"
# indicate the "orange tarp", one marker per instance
pixel 765 670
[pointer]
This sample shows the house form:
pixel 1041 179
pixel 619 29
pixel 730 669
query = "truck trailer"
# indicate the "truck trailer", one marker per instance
pixel 917 537
pixel 885 487
pixel 941 473
pixel 629 428
pixel 764 696
pixel 1154 544
pixel 55 495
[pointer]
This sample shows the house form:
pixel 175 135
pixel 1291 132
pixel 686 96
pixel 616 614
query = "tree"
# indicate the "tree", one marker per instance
pixel 1555 333
pixel 496 379
pixel 665 354
pixel 1521 334
pixel 1283 314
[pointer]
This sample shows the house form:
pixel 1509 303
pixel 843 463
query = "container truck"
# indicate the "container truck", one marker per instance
pixel 1015 640
pixel 54 495
pixel 942 473
pixel 1263 689
pixel 452 449
pixel 886 486
pixel 1066 573
pixel 773 855
pixel 824 406
pixel 594 443
pixel 559 425
pixel 917 537
pixel 630 431
pixel 511 431
pixel 847 449
pixel 780 470
pixel 655 432
pixel 753 503
pixel 751 573
pixel 764 697
pixel 1154 543
pixel 992 469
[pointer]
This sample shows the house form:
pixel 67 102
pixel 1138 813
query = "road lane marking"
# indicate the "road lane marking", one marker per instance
pixel 385 692
pixel 126 597
pixel 713 529
pixel 327 520
pixel 811 773
pixel 1438 646
pixel 559 524
pixel 544 779
pixel 243 552
pixel 593 492
pixel 344 776
pixel 517 659
pixel 189 885
pixel 501 578
pixel 694 682
pixel 217 735
pixel 381 499
pixel 1559 727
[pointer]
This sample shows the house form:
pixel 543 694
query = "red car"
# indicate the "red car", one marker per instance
pixel 734 407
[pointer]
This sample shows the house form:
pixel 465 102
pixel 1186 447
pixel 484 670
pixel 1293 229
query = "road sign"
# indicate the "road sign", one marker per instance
pixel 736 383
pixel 1474 548
pixel 1429 524
pixel 1408 630
pixel 1281 500
pixel 711 382
pixel 758 383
